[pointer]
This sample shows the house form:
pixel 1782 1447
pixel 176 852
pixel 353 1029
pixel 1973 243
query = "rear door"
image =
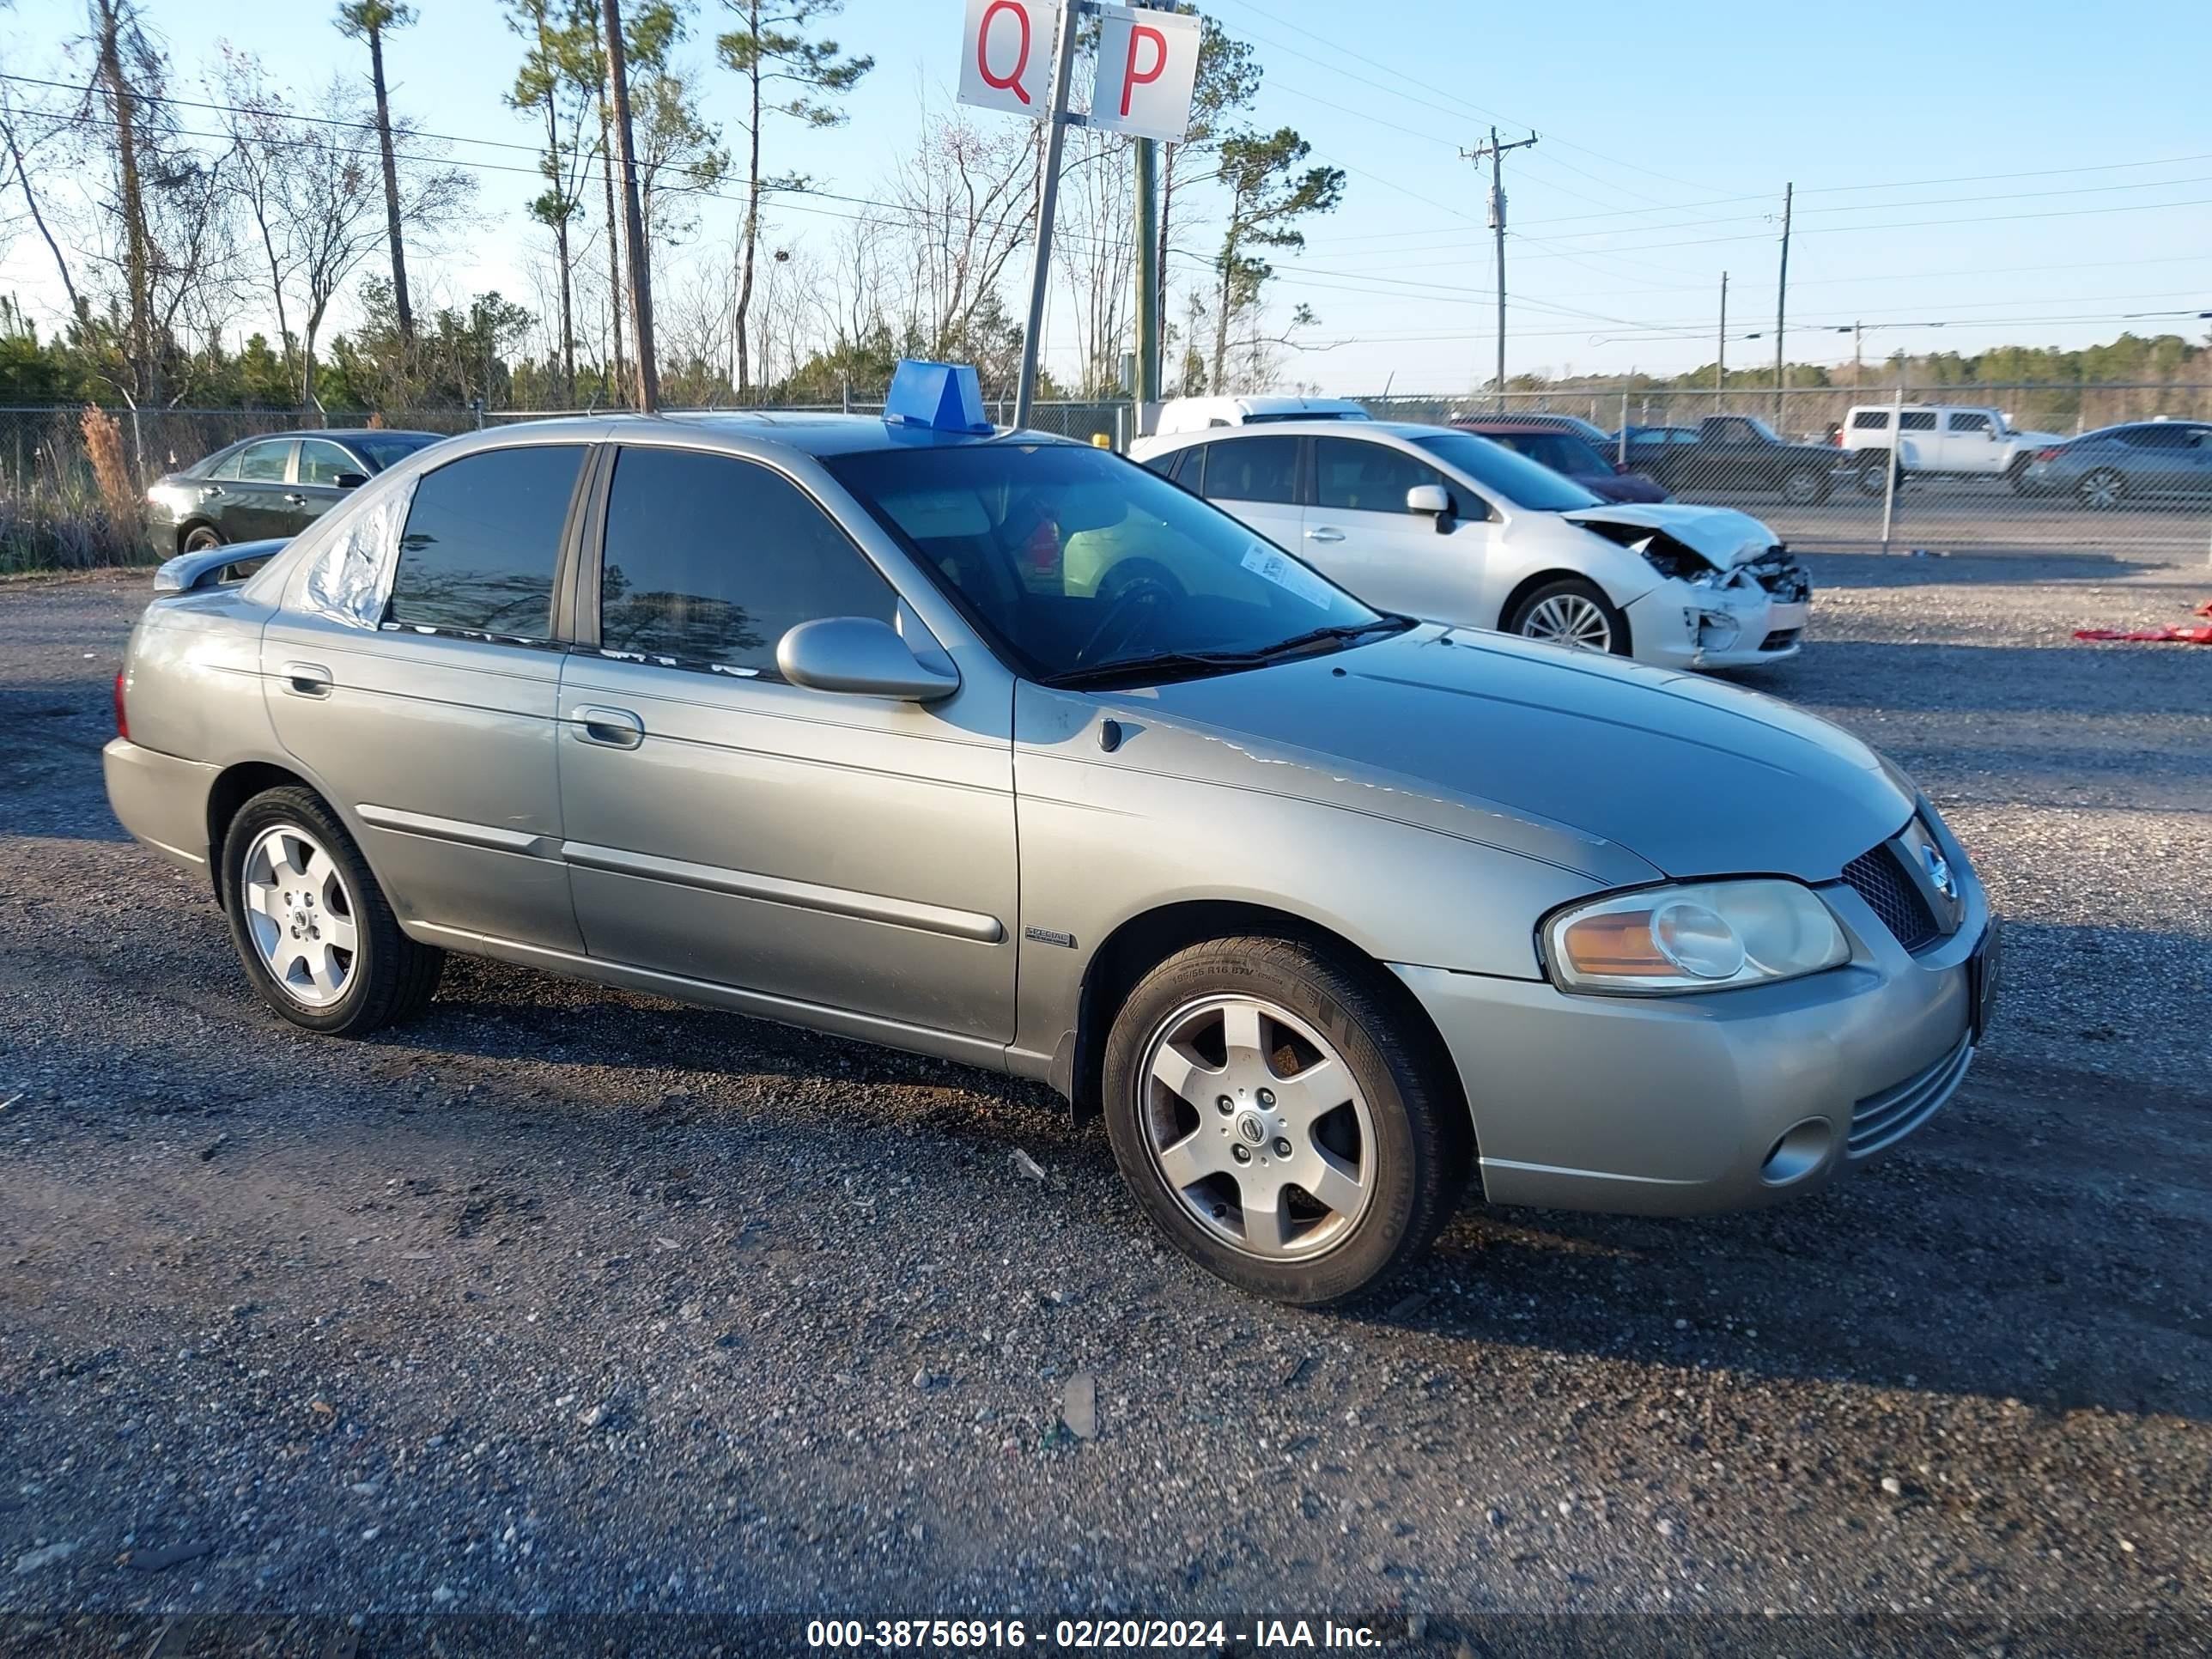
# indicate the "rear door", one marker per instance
pixel 1920 441
pixel 436 732
pixel 1360 531
pixel 847 852
pixel 247 497
pixel 1255 477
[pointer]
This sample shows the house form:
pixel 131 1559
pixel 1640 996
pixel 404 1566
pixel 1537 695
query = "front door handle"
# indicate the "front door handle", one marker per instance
pixel 307 679
pixel 611 728
pixel 1326 534
pixel 295 500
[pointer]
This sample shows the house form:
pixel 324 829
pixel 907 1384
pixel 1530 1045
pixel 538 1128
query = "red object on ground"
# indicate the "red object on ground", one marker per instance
pixel 2149 636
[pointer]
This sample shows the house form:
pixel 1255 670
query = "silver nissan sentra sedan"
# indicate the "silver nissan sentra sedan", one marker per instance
pixel 1003 749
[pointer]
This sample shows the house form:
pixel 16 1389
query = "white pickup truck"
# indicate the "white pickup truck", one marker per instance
pixel 1939 442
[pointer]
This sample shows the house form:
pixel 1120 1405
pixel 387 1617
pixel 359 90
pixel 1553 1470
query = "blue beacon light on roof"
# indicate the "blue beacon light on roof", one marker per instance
pixel 941 397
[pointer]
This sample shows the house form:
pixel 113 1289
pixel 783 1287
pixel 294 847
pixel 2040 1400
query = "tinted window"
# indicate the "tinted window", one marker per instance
pixel 1870 420
pixel 264 463
pixel 1972 420
pixel 711 561
pixel 384 449
pixel 1361 477
pixel 482 538
pixel 1923 421
pixel 1559 451
pixel 1252 470
pixel 1519 480
pixel 321 461
pixel 2158 437
pixel 1733 429
pixel 1165 463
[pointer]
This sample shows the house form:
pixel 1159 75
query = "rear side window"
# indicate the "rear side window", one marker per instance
pixel 2158 437
pixel 1870 420
pixel 1923 421
pixel 482 538
pixel 1165 463
pixel 1253 469
pixel 709 560
pixel 261 463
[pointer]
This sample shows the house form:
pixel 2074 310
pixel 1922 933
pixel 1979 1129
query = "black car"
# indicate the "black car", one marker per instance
pixel 274 485
pixel 1732 451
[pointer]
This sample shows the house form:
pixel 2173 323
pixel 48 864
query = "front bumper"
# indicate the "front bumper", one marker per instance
pixel 1686 1105
pixel 1678 625
pixel 160 799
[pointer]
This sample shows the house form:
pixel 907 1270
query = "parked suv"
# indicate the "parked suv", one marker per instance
pixel 1939 442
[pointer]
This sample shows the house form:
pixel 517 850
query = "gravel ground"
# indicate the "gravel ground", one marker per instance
pixel 563 1301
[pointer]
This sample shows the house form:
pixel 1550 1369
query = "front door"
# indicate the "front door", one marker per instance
pixel 316 471
pixel 436 732
pixel 724 825
pixel 1359 530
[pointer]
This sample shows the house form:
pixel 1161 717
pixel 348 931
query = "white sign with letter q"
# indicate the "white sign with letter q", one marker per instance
pixel 1147 70
pixel 1005 56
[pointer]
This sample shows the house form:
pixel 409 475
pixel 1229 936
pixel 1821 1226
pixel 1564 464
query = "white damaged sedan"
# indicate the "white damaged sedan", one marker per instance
pixel 1447 526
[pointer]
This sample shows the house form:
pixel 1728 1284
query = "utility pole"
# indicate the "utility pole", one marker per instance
pixel 1146 388
pixel 1720 367
pixel 1494 153
pixel 640 276
pixel 1782 302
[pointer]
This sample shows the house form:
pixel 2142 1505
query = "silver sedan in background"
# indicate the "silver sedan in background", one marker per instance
pixel 1005 750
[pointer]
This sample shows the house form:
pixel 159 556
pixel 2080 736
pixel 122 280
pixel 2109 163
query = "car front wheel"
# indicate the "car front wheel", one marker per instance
pixel 1573 613
pixel 1282 1120
pixel 1805 486
pixel 315 932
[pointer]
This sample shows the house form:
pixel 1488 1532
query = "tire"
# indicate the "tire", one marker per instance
pixel 1805 486
pixel 2102 489
pixel 294 886
pixel 1390 1160
pixel 1571 613
pixel 1871 479
pixel 201 538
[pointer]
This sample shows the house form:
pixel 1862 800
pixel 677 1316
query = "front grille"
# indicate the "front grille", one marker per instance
pixel 1877 878
pixel 1885 1119
pixel 1780 639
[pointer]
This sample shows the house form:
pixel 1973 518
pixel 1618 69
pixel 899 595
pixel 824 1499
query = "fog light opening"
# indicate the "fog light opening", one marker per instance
pixel 1801 1151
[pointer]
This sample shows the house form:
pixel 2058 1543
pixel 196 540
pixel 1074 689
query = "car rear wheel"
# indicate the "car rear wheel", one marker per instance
pixel 201 538
pixel 1281 1120
pixel 2101 490
pixel 1572 612
pixel 315 932
pixel 1805 485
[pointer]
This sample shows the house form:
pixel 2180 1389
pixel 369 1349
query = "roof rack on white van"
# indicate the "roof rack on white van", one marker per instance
pixel 1197 414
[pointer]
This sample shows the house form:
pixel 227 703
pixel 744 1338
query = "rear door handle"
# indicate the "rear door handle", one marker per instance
pixel 1326 534
pixel 611 728
pixel 295 500
pixel 307 679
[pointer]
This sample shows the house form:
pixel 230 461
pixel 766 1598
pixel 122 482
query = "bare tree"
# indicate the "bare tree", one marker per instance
pixel 21 152
pixel 559 79
pixel 963 201
pixel 369 20
pixel 785 74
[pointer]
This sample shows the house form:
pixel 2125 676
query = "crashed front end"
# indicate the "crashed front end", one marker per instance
pixel 1730 595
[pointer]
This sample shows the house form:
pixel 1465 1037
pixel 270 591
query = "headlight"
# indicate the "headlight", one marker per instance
pixel 1703 936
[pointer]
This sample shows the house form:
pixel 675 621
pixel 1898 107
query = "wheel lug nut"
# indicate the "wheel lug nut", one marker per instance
pixel 1242 1154
pixel 1267 1096
pixel 1282 1147
pixel 1225 1105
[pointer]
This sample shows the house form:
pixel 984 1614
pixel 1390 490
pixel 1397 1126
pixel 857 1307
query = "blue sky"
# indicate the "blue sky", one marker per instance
pixel 1666 137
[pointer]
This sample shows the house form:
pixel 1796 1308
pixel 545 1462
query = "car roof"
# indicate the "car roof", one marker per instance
pixel 816 434
pixel 1322 428
pixel 337 434
pixel 1513 425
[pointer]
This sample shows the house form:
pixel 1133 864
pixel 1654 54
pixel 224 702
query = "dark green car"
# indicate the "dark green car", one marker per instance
pixel 270 486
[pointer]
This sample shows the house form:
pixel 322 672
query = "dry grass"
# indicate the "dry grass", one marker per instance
pixel 60 519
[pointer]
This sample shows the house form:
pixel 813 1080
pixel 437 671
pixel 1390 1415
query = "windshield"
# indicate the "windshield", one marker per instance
pixel 1075 560
pixel 1520 481
pixel 385 449
pixel 1556 450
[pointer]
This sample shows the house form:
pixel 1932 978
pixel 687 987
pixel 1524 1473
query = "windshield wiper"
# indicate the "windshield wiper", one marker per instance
pixel 1166 662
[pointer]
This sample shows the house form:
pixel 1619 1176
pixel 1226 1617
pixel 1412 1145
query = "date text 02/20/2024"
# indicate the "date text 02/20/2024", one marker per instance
pixel 1085 1634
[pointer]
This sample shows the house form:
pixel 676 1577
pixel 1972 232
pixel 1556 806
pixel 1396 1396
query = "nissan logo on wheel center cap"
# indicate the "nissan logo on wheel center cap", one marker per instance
pixel 1250 1128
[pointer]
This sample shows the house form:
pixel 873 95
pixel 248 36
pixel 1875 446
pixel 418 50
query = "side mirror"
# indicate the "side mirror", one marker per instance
pixel 351 480
pixel 1435 501
pixel 862 657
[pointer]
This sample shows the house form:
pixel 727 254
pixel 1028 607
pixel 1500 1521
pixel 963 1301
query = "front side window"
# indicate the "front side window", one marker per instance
pixel 1497 470
pixel 709 560
pixel 1559 451
pixel 1972 420
pixel 1353 477
pixel 1264 470
pixel 1075 562
pixel 321 461
pixel 264 463
pixel 481 541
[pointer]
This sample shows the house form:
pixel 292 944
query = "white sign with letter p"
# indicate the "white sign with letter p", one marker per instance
pixel 1147 70
pixel 1005 56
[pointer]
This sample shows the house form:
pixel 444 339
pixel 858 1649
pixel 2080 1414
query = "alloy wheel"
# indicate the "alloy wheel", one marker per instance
pixel 2101 489
pixel 1801 487
pixel 300 915
pixel 1569 619
pixel 1257 1126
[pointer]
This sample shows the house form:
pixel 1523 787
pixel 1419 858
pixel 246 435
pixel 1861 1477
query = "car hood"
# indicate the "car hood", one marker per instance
pixel 1720 534
pixel 1622 487
pixel 1574 758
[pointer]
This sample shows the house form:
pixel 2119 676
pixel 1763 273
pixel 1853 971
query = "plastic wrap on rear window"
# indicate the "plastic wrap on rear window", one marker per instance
pixel 352 575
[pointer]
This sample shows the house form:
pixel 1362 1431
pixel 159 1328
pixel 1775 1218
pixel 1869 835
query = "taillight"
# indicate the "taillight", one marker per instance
pixel 2051 454
pixel 122 715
